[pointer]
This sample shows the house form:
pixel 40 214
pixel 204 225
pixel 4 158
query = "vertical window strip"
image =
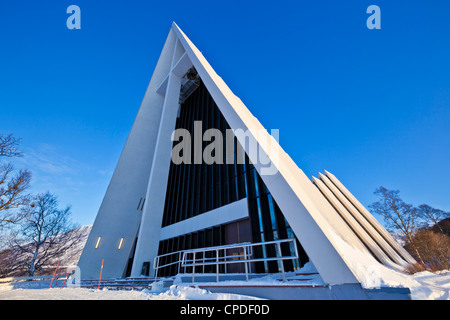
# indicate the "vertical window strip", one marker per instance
pixel 98 242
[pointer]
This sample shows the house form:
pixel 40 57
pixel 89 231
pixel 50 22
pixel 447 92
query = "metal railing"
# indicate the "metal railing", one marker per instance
pixel 220 255
pixel 177 261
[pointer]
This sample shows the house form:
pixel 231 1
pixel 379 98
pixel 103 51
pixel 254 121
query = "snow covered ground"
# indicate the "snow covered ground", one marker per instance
pixel 423 286
pixel 429 286
pixel 173 293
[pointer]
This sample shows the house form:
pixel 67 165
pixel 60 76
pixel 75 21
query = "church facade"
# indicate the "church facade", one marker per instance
pixel 198 170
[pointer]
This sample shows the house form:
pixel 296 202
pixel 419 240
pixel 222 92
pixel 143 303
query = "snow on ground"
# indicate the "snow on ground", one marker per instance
pixel 371 274
pixel 424 286
pixel 173 293
pixel 430 286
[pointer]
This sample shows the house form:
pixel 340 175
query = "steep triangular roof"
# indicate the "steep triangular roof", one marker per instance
pixel 333 236
pixel 311 216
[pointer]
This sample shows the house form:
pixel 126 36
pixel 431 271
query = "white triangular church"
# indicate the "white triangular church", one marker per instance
pixel 154 207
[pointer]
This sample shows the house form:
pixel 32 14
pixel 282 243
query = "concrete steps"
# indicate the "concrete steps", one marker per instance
pixel 123 284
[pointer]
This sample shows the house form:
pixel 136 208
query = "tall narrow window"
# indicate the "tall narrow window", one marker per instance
pixel 98 242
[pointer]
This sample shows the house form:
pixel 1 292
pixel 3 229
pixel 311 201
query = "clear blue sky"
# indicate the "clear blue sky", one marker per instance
pixel 370 106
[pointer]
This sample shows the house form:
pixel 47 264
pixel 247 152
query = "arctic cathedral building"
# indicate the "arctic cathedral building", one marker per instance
pixel 250 211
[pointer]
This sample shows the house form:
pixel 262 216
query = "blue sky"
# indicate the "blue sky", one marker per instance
pixel 370 106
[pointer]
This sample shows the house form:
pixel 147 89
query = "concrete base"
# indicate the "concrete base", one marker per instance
pixel 337 292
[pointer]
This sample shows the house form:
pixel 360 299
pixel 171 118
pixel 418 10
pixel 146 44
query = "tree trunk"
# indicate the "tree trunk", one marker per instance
pixel 32 268
pixel 416 250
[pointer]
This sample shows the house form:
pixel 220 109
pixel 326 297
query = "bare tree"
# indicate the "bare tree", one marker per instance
pixel 8 146
pixel 434 248
pixel 12 187
pixel 433 216
pixel 45 233
pixel 399 216
pixel 12 261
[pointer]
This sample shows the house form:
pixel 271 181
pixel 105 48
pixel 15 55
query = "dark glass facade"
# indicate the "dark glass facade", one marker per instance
pixel 194 189
pixel 197 188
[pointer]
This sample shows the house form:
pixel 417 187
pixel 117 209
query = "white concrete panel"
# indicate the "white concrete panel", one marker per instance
pixel 231 212
pixel 367 227
pixel 370 218
pixel 182 66
pixel 162 88
pixel 354 225
pixel 149 233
